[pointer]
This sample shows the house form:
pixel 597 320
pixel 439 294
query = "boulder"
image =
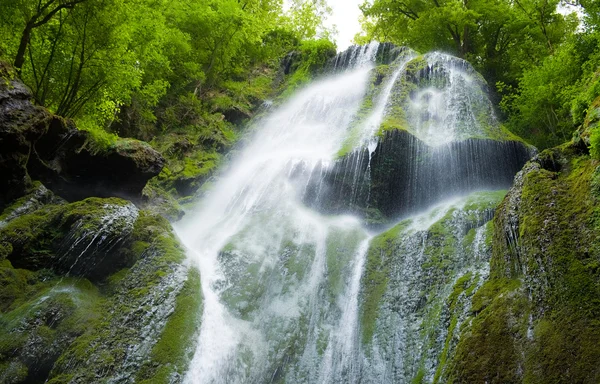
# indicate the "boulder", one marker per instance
pixel 35 144
pixel 404 175
pixel 78 239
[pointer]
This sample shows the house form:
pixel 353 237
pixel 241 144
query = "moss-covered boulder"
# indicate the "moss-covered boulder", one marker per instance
pixel 190 159
pixel 536 319
pixel 37 197
pixel 78 239
pixel 75 164
pixel 95 291
pixel 417 286
pixel 150 318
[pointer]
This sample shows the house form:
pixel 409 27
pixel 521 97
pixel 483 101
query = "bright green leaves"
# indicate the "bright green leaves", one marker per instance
pixel 123 64
pixel 307 19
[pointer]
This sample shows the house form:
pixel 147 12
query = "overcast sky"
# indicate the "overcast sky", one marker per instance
pixel 345 17
pixel 345 14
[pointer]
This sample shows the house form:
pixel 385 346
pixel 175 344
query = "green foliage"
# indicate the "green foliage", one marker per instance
pixel 139 67
pixel 552 98
pixel 499 37
pixel 313 54
pixel 544 68
pixel 307 19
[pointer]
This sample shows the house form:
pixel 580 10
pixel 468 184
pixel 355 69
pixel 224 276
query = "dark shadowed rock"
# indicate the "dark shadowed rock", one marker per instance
pixel 20 123
pixel 404 175
pixel 35 144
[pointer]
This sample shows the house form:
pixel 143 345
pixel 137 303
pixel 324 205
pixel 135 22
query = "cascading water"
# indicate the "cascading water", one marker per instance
pixel 292 294
pixel 271 268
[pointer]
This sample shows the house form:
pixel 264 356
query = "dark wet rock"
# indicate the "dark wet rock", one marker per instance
pixel 20 123
pixel 34 144
pixel 404 175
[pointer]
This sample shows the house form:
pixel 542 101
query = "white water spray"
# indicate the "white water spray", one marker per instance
pixel 266 260
pixel 282 283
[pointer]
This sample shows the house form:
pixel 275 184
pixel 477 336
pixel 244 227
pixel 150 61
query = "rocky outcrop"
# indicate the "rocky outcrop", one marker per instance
pixel 405 175
pixel 536 319
pixel 20 123
pixel 37 145
pixel 78 239
pixel 93 291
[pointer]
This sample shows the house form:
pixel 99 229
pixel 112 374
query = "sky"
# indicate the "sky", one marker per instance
pixel 345 17
pixel 345 14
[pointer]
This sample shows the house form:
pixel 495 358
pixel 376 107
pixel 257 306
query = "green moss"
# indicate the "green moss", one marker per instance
pixel 416 65
pixel 535 320
pixel 419 377
pixel 394 120
pixel 375 278
pixel 487 350
pixel 45 320
pixel 356 127
pixel 192 157
pixel 312 57
pixel 341 247
pixel 99 140
pixel 175 348
pixel 130 299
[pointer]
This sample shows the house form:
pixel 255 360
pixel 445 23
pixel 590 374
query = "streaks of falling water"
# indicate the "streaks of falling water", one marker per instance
pixel 253 230
pixel 451 103
pixel 281 283
pixel 341 362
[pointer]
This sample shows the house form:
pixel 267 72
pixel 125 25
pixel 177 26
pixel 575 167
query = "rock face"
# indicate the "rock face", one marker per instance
pixel 34 144
pixel 426 131
pixel 419 279
pixel 536 319
pixel 93 291
pixel 78 239
pixel 20 123
pixel 404 175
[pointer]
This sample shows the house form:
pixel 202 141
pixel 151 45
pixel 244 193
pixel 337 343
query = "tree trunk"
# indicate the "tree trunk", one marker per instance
pixel 25 36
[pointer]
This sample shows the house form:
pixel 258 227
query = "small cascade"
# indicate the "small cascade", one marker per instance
pixel 342 359
pixel 420 277
pixel 448 101
pixel 430 135
pixel 356 56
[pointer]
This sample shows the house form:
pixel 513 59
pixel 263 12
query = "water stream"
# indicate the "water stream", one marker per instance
pixel 284 284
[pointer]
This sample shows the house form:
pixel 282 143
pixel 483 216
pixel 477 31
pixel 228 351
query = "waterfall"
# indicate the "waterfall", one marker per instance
pixel 287 297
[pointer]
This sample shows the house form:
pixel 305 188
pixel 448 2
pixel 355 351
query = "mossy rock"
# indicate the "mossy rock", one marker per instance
pixel 536 319
pixel 76 239
pixel 42 323
pixel 418 282
pixel 36 198
pixel 191 160
pixel 142 321
pixel 75 164
pixel 150 315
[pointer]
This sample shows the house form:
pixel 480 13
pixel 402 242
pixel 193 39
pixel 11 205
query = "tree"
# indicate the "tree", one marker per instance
pixel 38 16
